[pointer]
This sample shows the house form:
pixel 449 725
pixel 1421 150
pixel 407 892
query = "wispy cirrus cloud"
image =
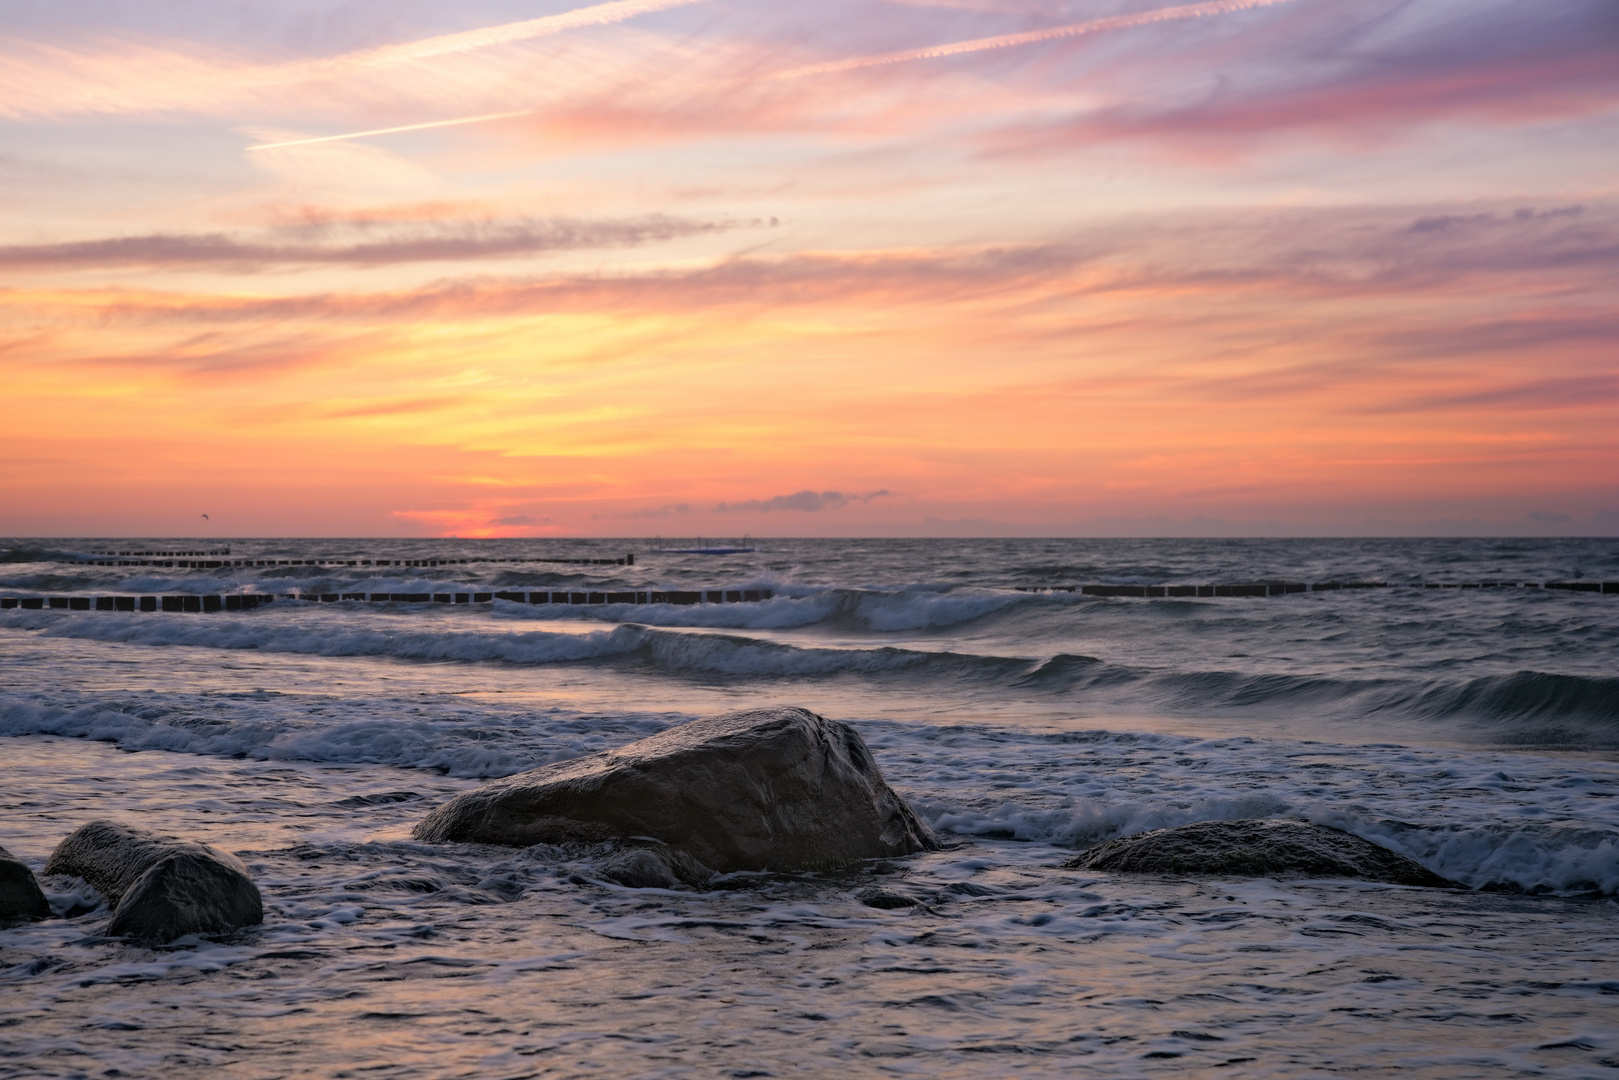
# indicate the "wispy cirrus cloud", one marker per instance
pixel 1354 72
pixel 1306 254
pixel 504 34
pixel 1027 37
pixel 123 75
pixel 363 242
pixel 791 281
pixel 1556 393
pixel 1348 71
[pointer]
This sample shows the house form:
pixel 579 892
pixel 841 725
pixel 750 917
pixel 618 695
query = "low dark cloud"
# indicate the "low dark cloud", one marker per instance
pixel 357 243
pixel 930 276
pixel 518 519
pixel 1553 393
pixel 668 510
pixel 1498 280
pixel 803 501
pixel 1302 254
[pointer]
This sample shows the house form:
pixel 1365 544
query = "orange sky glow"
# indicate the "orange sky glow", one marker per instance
pixel 966 267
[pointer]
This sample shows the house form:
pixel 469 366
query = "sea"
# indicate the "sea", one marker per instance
pixel 1475 730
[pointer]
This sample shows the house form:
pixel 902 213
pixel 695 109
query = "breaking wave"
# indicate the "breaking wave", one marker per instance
pixel 1530 708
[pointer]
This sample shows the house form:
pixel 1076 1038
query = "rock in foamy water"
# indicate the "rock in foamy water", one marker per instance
pixel 887 899
pixel 652 868
pixel 1257 847
pixel 767 789
pixel 162 888
pixel 21 899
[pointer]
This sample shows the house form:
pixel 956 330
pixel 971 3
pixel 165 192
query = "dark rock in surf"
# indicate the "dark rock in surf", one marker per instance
pixel 876 896
pixel 161 888
pixel 21 899
pixel 1257 847
pixel 768 789
pixel 652 868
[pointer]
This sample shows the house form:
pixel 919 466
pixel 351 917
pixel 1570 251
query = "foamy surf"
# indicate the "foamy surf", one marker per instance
pixel 1548 826
pixel 1473 731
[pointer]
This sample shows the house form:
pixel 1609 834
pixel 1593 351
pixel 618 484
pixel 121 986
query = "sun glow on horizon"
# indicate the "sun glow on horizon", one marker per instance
pixel 1041 280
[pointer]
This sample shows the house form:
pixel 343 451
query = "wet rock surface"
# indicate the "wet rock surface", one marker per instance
pixel 652 868
pixel 1257 847
pixel 21 899
pixel 876 896
pixel 768 789
pixel 161 888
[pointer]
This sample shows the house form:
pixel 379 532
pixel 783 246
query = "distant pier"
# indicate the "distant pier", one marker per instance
pixel 249 601
pixel 1284 588
pixel 187 560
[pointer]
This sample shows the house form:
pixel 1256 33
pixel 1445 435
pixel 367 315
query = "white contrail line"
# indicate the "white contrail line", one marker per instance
pixel 1006 41
pixel 624 9
pixel 595 15
pixel 391 130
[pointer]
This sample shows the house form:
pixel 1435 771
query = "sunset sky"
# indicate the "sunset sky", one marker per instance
pixel 859 267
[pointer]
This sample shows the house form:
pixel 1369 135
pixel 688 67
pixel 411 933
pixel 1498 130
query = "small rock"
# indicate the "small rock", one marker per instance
pixel 21 899
pixel 653 868
pixel 1257 847
pixel 970 888
pixel 162 888
pixel 888 899
pixel 769 789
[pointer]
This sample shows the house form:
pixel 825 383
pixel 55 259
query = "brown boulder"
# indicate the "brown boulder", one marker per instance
pixel 21 899
pixel 1257 847
pixel 768 789
pixel 161 888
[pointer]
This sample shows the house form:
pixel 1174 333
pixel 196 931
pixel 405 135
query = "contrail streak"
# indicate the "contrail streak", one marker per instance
pixel 595 15
pixel 1006 41
pixel 624 9
pixel 391 130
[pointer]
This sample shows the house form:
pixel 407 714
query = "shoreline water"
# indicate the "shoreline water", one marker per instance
pixel 310 739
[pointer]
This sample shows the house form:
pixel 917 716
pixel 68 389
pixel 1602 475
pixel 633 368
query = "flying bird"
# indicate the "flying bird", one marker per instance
pixel 205 517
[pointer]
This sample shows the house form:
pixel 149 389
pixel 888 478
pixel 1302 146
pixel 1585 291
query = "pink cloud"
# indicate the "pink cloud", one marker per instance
pixel 1343 73
pixel 360 242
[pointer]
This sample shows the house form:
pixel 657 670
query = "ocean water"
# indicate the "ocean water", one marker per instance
pixel 1476 730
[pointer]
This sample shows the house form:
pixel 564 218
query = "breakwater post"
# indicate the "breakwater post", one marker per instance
pixel 1285 588
pixel 248 601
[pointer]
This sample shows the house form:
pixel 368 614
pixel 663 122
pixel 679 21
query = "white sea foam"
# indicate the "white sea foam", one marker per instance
pixel 308 633
pixel 777 613
pixel 311 738
pixel 1552 827
pixel 879 611
pixel 461 742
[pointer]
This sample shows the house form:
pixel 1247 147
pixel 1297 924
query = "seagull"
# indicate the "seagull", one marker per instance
pixel 205 517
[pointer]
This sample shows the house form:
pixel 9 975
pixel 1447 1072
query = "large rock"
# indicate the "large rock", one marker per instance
pixel 161 888
pixel 1257 847
pixel 769 789
pixel 20 897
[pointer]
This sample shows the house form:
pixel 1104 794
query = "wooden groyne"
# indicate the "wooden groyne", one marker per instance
pixel 159 554
pixel 1284 588
pixel 183 560
pixel 249 601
